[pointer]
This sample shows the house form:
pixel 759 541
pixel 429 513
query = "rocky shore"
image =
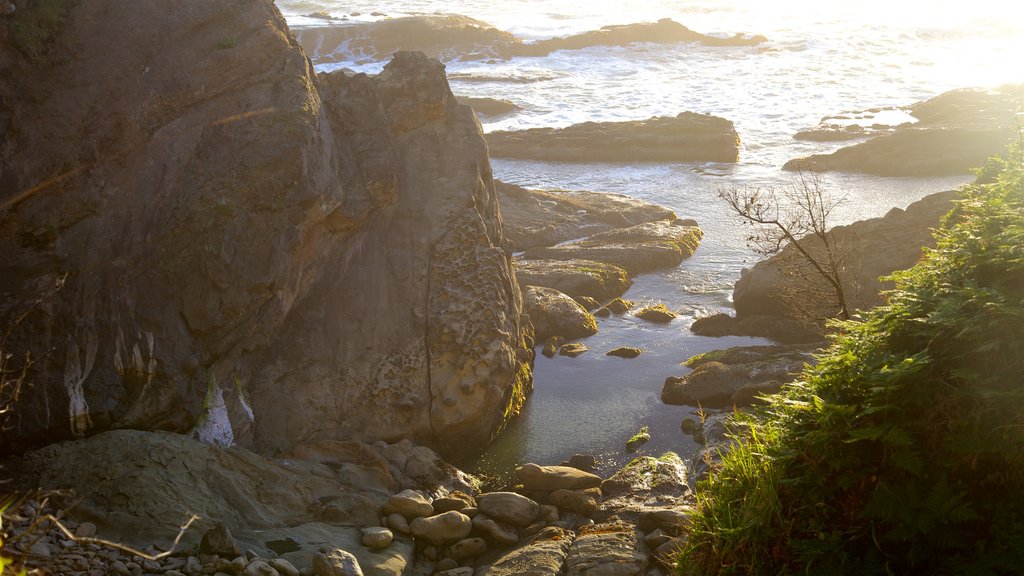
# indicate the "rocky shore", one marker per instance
pixel 338 508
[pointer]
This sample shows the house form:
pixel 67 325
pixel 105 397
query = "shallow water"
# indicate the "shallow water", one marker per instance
pixel 821 59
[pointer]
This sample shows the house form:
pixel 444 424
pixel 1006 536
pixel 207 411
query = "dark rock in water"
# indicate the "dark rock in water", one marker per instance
pixel 956 132
pixel 444 36
pixel 555 314
pixel 876 247
pixel 489 106
pixel 577 278
pixel 688 137
pixel 636 249
pixel 639 439
pixel 779 328
pixel 552 345
pixel 451 36
pixel 585 462
pixel 664 31
pixel 624 352
pixel 252 257
pixel 544 217
pixel 619 306
pixel 659 314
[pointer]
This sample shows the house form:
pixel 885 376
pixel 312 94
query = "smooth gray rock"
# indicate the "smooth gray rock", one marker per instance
pixel 443 529
pixel 509 507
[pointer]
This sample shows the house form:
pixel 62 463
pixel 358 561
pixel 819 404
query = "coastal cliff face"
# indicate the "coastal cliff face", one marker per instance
pixel 245 250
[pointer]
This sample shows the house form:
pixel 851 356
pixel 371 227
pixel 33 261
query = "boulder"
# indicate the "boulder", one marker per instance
pixel 545 217
pixel 658 313
pixel 624 352
pixel 875 247
pixel 336 562
pixel 646 476
pixel 555 314
pixel 552 346
pixel 541 555
pixel 443 529
pixel 456 500
pixel 218 541
pixel 572 349
pixel 636 249
pixel 639 439
pixel 779 328
pixel 955 132
pixel 549 478
pixel 619 306
pixel 410 504
pixel 687 137
pixel 377 538
pixel 583 501
pixel 497 532
pixel 467 548
pixel 253 256
pixel 509 507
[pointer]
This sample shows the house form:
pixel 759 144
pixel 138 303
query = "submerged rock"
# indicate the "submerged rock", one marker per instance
pixel 956 132
pixel 687 137
pixel 624 352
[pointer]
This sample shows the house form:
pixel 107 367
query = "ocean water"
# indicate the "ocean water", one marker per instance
pixel 822 59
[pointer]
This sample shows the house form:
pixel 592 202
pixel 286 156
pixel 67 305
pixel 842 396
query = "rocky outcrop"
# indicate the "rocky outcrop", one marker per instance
pixel 636 249
pixel 874 248
pixel 577 278
pixel 734 377
pixel 451 36
pixel 955 132
pixel 249 251
pixel 688 137
pixel 534 218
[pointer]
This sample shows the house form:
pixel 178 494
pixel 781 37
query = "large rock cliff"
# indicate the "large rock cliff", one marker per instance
pixel 246 250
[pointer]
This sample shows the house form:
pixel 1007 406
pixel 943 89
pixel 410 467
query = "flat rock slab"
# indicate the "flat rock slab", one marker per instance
pixel 576 278
pixel 724 378
pixel 688 137
pixel 556 314
pixel 637 249
pixel 605 549
pixel 544 217
pixel 542 555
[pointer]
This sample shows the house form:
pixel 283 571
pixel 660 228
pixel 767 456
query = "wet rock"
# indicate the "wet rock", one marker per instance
pixel 638 439
pixel 552 346
pixel 579 279
pixel 377 537
pixel 602 312
pixel 555 314
pixel 409 503
pixel 778 328
pixel 956 132
pixel 509 507
pixel 637 249
pixel 624 352
pixel 543 554
pixel 335 562
pixel 443 529
pixel 605 549
pixel 688 137
pixel 659 314
pixel 572 349
pixel 619 306
pixel 550 478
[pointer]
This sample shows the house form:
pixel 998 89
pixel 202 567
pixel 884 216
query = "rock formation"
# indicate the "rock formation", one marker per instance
pixel 955 132
pixel 246 250
pixel 451 36
pixel 687 137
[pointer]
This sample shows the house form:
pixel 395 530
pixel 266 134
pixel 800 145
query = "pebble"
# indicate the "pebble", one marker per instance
pixel 85 530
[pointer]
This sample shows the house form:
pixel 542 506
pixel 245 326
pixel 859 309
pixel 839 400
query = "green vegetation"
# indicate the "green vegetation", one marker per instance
pixel 33 25
pixel 902 451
